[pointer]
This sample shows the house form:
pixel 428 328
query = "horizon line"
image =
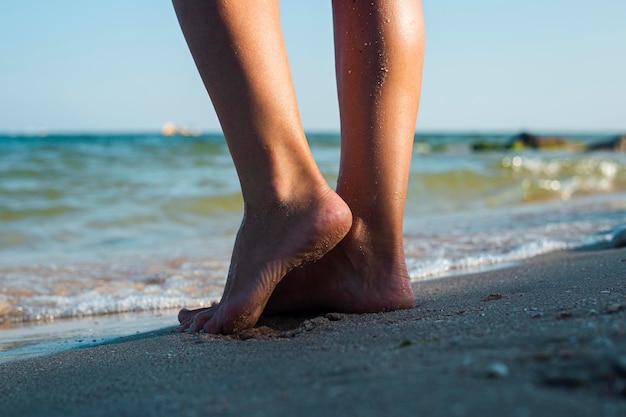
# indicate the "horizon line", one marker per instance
pixel 312 132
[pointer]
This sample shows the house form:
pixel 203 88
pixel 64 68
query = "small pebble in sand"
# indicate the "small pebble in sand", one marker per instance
pixel 492 297
pixel 614 308
pixel 335 316
pixel 405 343
pixel 313 323
pixel 497 370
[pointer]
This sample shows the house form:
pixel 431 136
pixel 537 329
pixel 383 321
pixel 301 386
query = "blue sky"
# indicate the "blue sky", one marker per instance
pixel 490 65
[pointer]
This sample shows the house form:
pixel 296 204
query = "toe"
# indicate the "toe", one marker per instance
pixel 186 314
pixel 196 323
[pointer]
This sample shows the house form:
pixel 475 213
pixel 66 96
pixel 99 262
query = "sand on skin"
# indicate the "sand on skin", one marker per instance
pixel 547 337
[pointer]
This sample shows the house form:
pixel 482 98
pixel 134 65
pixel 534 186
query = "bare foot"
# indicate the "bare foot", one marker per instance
pixel 364 273
pixel 361 274
pixel 270 244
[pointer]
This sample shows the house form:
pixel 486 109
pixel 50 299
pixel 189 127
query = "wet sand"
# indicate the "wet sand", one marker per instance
pixel 544 338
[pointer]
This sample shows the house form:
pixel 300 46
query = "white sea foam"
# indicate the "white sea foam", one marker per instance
pixel 93 303
pixel 420 269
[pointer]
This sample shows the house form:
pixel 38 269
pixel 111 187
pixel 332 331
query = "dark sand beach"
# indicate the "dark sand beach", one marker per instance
pixel 543 338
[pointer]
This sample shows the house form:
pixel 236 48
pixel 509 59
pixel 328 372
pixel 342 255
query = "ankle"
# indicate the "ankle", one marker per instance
pixel 287 196
pixel 380 235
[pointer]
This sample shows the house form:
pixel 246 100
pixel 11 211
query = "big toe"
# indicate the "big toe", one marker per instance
pixel 186 314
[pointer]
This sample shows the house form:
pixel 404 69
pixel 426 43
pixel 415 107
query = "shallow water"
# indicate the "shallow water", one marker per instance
pixel 105 224
pixel 44 338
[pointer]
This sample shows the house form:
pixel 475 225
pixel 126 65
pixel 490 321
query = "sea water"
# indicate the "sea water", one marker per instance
pixel 96 227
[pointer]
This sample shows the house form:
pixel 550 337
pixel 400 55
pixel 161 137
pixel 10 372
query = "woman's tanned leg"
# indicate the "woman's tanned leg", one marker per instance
pixel 379 47
pixel 291 215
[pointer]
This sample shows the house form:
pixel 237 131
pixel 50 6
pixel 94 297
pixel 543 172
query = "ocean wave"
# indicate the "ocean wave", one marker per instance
pixel 51 292
pixel 419 269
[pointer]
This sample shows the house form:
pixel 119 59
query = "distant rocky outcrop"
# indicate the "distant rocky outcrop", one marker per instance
pixel 525 140
pixel 615 143
pixel 528 140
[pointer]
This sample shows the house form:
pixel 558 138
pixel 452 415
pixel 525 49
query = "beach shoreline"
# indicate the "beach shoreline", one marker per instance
pixel 544 337
pixel 26 340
